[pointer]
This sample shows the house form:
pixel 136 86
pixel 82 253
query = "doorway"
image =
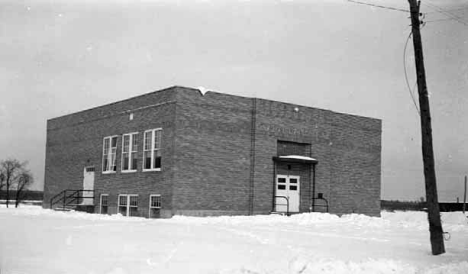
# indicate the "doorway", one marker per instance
pixel 287 186
pixel 88 184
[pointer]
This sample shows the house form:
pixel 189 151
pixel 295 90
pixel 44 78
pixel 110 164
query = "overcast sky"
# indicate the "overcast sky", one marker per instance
pixel 59 57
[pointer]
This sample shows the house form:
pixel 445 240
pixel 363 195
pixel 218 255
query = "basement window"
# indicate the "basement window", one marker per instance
pixel 128 204
pixel 109 152
pixel 129 152
pixel 104 209
pixel 155 206
pixel 152 150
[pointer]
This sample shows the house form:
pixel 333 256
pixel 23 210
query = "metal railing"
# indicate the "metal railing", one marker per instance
pixel 314 205
pixel 71 197
pixel 287 203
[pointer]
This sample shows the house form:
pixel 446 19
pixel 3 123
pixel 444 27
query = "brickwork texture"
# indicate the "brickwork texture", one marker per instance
pixel 217 154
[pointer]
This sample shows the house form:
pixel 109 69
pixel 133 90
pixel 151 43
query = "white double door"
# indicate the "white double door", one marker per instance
pixel 287 186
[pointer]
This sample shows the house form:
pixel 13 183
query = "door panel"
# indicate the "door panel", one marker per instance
pixel 281 190
pixel 287 186
pixel 88 184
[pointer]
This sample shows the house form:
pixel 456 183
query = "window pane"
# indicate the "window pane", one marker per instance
pixel 281 187
pixel 281 180
pixel 106 146
pixel 126 143
pixel 292 187
pixel 112 160
pixel 133 161
pixel 135 142
pixel 114 141
pixel 147 145
pixel 134 211
pixel 123 210
pixel 133 201
pixel 157 160
pixel 293 181
pixel 157 139
pixel 125 161
pixel 147 159
pixel 155 201
pixel 104 200
pixel 122 200
pixel 105 164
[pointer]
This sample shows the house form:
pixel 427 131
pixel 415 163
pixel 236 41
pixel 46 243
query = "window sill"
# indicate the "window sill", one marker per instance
pixel 128 171
pixel 108 172
pixel 149 170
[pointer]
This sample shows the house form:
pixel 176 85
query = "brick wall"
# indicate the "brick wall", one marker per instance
pixel 347 147
pixel 212 154
pixel 75 141
pixel 207 161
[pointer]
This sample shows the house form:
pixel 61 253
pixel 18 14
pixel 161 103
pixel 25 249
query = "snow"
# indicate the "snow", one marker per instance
pixel 298 157
pixel 203 90
pixel 36 240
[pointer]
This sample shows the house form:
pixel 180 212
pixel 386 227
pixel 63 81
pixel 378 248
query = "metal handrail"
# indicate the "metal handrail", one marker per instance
pixel 314 204
pixel 64 197
pixel 287 203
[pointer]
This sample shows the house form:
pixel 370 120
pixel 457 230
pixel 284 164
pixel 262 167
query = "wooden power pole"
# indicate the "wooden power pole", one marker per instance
pixel 464 197
pixel 435 225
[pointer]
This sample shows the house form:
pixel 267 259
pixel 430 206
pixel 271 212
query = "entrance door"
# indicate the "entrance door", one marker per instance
pixel 88 184
pixel 287 186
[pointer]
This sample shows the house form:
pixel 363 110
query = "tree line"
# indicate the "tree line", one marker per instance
pixel 15 179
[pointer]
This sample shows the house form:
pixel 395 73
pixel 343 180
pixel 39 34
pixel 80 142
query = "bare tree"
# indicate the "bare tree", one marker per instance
pixel 11 170
pixel 2 180
pixel 25 179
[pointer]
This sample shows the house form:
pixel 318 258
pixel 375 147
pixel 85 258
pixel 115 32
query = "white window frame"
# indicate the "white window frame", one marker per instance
pixel 109 154
pixel 100 203
pixel 154 207
pixel 129 152
pixel 152 149
pixel 128 206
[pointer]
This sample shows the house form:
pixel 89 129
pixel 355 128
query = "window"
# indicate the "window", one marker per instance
pixel 108 154
pixel 154 206
pixel 152 150
pixel 129 152
pixel 128 204
pixel 104 204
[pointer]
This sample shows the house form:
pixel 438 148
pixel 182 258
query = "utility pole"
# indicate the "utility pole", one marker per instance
pixel 464 198
pixel 435 225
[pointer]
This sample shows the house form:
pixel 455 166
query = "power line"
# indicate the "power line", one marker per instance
pixel 465 8
pixel 439 20
pixel 406 75
pixel 378 6
pixel 446 13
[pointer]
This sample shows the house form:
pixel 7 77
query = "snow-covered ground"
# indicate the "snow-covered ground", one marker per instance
pixel 35 240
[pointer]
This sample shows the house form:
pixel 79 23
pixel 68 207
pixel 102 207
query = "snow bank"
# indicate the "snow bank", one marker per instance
pixel 77 242
pixel 452 221
pixel 371 266
pixel 31 210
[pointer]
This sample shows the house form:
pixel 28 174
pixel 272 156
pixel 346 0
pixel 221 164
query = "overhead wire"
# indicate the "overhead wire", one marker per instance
pixel 446 13
pixel 438 20
pixel 406 74
pixel 457 9
pixel 379 6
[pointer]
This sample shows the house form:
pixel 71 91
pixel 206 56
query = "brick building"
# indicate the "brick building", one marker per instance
pixel 179 151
